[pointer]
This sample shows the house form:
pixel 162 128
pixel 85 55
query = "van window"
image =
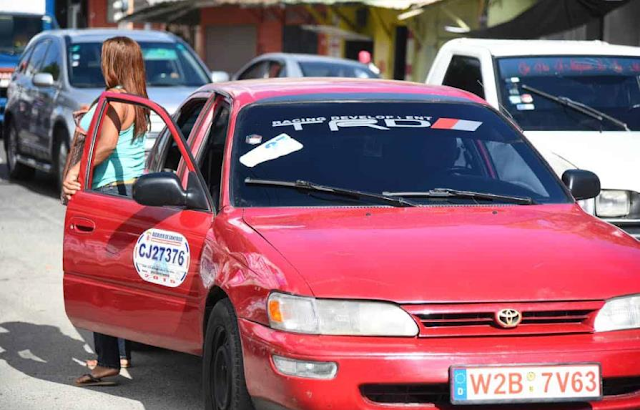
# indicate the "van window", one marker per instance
pixel 464 73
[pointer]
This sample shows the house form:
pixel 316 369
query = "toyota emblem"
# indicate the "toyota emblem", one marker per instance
pixel 508 318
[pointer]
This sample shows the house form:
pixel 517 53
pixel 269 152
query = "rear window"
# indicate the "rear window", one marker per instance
pixel 334 69
pixel 383 147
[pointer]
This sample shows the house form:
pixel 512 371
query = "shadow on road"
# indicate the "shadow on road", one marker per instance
pixel 41 183
pixel 159 378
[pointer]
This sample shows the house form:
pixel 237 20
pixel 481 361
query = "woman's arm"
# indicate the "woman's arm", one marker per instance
pixel 111 127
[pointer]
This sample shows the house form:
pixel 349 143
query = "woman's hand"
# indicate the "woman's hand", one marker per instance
pixel 71 185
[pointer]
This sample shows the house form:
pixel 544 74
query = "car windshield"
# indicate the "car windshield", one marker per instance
pixel 610 85
pixel 166 65
pixel 16 31
pixel 383 147
pixel 334 69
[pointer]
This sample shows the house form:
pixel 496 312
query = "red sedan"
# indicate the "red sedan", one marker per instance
pixel 347 244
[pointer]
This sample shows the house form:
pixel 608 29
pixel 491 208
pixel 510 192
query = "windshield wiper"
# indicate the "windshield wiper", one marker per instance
pixel 454 193
pixel 577 106
pixel 310 186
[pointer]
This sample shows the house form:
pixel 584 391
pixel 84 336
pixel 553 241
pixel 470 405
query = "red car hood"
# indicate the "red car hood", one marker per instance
pixel 454 254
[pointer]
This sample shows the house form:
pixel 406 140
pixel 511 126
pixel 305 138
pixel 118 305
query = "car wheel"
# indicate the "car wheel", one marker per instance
pixel 16 169
pixel 223 379
pixel 60 153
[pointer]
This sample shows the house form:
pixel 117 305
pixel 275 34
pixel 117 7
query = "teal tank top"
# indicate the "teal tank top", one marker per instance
pixel 125 163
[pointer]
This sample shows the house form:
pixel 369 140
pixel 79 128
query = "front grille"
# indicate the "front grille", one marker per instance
pixel 479 319
pixel 406 393
pixel 438 394
pixel 620 386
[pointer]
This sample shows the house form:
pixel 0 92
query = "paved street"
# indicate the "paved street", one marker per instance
pixel 40 351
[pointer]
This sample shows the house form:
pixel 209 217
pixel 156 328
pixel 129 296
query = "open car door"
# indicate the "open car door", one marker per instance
pixel 131 268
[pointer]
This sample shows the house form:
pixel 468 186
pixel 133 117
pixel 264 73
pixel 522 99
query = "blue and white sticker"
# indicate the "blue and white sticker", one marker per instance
pixel 162 257
pixel 274 148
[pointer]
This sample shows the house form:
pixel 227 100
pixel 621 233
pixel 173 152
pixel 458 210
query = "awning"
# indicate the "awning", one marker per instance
pixel 549 17
pixel 168 11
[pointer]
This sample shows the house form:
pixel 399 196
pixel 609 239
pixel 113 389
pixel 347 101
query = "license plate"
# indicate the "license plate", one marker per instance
pixel 520 384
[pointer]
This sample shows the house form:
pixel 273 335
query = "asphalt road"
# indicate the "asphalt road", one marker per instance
pixel 40 351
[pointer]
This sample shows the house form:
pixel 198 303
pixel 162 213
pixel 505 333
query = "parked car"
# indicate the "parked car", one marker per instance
pixel 359 244
pixel 19 21
pixel 60 71
pixel 577 102
pixel 275 65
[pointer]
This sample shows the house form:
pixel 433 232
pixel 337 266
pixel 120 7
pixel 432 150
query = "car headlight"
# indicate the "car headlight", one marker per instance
pixel 611 204
pixel 619 314
pixel 338 317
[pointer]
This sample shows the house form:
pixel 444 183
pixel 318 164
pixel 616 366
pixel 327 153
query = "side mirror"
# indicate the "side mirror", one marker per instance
pixel 43 80
pixel 219 76
pixel 165 189
pixel 582 184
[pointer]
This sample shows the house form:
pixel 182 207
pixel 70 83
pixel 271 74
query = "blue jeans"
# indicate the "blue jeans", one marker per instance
pixel 119 189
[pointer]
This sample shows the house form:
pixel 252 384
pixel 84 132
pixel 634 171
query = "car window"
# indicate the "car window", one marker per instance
pixel 211 160
pixel 464 73
pixel 334 69
pixel 277 69
pixel 16 29
pixel 24 61
pixel 52 63
pixel 166 65
pixel 255 71
pixel 185 120
pixel 35 62
pixel 384 147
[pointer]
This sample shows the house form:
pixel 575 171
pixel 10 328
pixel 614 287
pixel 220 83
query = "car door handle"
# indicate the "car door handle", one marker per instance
pixel 82 225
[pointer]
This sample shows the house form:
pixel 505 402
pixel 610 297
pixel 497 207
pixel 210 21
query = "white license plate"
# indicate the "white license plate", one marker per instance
pixel 520 384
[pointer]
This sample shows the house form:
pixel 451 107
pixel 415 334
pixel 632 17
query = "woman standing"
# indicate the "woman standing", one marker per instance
pixel 118 162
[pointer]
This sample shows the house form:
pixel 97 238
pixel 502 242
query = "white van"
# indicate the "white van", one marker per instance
pixel 578 102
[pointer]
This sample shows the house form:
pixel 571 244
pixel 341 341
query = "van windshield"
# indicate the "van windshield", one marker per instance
pixel 610 85
pixel 166 65
pixel 16 31
pixel 398 149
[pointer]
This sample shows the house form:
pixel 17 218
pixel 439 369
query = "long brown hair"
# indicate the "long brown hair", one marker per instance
pixel 122 65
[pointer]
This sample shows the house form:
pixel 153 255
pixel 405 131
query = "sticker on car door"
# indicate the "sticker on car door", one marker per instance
pixel 162 257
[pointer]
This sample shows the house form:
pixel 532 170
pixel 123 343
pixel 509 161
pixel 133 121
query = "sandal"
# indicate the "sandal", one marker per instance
pixel 87 380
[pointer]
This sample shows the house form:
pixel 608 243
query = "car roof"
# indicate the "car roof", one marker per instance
pixel 310 58
pixel 506 48
pixel 101 34
pixel 331 89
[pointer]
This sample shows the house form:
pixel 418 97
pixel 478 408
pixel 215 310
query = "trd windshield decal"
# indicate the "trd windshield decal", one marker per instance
pixel 379 122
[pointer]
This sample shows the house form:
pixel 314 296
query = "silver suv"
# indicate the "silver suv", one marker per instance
pixel 60 71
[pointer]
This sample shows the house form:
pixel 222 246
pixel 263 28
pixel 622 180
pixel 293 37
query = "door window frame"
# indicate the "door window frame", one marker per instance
pixel 217 100
pixel 187 161
pixel 162 145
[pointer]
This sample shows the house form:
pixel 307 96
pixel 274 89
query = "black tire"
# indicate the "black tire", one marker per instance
pixel 15 169
pixel 59 157
pixel 223 379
